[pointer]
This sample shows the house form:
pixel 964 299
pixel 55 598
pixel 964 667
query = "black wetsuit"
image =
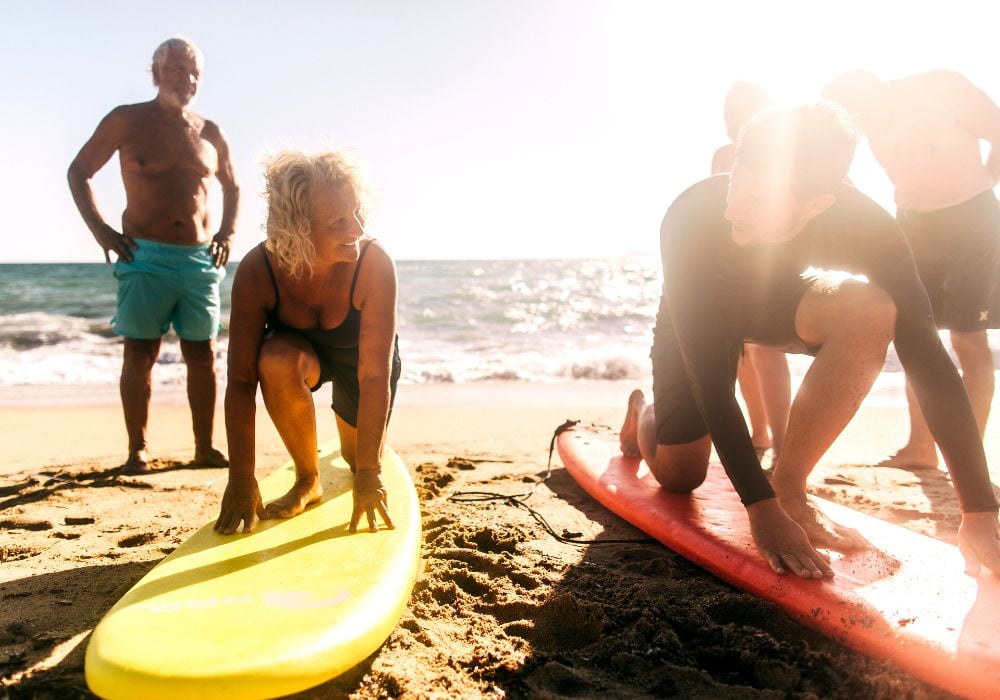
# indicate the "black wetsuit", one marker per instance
pixel 716 295
pixel 336 349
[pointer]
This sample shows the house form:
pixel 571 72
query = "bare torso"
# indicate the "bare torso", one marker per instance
pixel 166 161
pixel 927 137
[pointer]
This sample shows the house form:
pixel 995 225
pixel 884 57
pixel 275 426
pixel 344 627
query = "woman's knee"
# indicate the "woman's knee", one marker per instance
pixel 282 359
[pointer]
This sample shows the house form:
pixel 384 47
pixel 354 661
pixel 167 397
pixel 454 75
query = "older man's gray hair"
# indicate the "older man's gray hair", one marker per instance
pixel 178 43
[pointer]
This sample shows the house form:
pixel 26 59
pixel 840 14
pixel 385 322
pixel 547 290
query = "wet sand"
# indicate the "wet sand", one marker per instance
pixel 500 608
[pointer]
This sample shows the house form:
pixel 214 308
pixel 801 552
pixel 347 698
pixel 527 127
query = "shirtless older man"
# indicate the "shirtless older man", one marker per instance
pixel 926 130
pixel 168 265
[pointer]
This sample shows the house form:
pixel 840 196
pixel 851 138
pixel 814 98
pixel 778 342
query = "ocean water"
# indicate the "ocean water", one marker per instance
pixel 459 321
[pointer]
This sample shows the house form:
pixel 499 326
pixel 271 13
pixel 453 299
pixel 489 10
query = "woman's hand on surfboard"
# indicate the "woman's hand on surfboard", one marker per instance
pixel 241 503
pixel 979 542
pixel 369 497
pixel 783 543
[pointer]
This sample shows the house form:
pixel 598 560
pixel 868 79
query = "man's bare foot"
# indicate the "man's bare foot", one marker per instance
pixel 910 457
pixel 211 458
pixel 822 531
pixel 302 495
pixel 136 463
pixel 629 435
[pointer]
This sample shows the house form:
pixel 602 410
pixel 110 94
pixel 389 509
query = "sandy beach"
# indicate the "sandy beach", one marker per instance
pixel 500 608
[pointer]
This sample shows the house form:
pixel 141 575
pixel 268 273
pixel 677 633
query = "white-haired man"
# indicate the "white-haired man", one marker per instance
pixel 169 266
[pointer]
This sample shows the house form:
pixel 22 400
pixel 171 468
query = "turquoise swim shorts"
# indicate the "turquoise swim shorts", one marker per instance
pixel 168 284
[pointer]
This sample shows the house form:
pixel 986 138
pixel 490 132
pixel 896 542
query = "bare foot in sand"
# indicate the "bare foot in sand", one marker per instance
pixel 211 458
pixel 629 435
pixel 912 457
pixel 822 531
pixel 302 495
pixel 137 463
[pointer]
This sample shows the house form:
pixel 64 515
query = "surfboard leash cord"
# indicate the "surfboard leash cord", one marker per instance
pixel 519 500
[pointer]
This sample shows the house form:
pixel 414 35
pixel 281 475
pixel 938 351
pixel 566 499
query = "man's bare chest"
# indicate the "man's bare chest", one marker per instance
pixel 158 147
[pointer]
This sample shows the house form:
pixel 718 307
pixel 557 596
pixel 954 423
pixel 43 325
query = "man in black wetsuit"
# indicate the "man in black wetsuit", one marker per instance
pixel 781 253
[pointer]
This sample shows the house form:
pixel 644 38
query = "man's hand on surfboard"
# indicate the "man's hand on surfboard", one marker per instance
pixel 783 543
pixel 979 542
pixel 369 497
pixel 241 503
pixel 820 529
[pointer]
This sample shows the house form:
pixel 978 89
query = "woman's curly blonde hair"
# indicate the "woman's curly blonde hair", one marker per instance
pixel 291 179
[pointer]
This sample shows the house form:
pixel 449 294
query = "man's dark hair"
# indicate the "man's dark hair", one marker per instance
pixel 810 145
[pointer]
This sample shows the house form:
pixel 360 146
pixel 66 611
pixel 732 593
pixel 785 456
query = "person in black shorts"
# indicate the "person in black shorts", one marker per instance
pixel 926 130
pixel 782 253
pixel 316 303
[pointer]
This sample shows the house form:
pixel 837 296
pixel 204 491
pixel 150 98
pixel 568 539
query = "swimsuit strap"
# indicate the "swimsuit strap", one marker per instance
pixel 270 272
pixel 357 269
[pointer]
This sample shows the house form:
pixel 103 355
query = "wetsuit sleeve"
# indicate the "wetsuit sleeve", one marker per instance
pixel 695 300
pixel 930 370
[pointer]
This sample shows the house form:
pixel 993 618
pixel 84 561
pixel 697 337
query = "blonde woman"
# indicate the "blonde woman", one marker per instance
pixel 315 303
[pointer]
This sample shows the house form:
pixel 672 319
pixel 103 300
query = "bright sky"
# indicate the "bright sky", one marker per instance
pixel 491 128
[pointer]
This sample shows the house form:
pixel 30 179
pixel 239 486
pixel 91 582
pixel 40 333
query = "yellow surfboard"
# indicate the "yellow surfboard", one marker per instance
pixel 259 615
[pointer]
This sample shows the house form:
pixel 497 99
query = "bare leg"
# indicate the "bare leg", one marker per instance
pixel 750 386
pixel 136 386
pixel 775 382
pixel 288 367
pixel 920 451
pixel 976 360
pixel 678 468
pixel 628 436
pixel 199 356
pixel 853 323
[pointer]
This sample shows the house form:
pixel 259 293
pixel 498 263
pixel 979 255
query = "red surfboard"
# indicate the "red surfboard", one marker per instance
pixel 906 599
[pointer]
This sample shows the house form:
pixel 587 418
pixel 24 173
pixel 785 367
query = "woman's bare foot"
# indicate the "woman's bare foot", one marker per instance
pixel 302 495
pixel 912 457
pixel 210 458
pixel 137 463
pixel 822 531
pixel 629 435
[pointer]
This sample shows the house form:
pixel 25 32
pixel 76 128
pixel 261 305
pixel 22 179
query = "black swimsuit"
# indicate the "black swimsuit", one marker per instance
pixel 336 349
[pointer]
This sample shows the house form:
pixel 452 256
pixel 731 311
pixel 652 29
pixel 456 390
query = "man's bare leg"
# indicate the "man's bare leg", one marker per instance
pixel 752 391
pixel 199 356
pixel 976 362
pixel 775 383
pixel 679 468
pixel 920 451
pixel 853 323
pixel 288 367
pixel 136 386
pixel 628 436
